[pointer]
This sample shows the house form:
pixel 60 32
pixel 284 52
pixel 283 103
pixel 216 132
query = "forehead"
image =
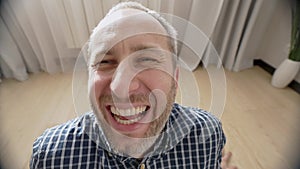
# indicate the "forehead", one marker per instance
pixel 133 21
pixel 122 25
pixel 140 42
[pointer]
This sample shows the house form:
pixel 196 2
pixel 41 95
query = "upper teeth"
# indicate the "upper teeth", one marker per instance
pixel 128 112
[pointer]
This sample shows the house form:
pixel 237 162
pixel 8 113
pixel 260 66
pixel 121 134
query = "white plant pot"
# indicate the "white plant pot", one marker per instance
pixel 285 73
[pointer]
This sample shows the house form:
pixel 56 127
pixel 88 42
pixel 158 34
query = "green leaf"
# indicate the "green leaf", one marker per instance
pixel 295 33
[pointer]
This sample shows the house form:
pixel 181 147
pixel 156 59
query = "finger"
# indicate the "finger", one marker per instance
pixel 226 157
pixel 232 167
pixel 223 152
pixel 225 160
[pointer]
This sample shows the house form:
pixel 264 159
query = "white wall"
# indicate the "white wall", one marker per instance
pixel 274 46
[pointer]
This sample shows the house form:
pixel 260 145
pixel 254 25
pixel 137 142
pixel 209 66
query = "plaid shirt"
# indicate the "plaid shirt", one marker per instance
pixel 192 138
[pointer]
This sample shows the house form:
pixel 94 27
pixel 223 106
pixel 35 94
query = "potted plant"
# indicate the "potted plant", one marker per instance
pixel 289 68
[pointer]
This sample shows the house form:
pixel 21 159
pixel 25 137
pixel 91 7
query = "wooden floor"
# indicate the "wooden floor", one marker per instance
pixel 261 122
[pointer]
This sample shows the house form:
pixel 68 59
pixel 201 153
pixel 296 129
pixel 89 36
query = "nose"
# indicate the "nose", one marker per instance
pixel 124 81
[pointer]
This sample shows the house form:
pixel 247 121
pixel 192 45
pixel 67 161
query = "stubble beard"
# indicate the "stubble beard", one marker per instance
pixel 132 146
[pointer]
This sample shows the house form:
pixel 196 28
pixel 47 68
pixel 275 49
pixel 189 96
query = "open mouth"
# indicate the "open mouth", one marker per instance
pixel 128 116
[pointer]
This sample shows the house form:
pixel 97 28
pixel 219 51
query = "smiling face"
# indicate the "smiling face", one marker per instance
pixel 132 82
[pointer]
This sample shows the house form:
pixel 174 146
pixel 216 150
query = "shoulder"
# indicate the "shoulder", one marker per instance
pixel 200 122
pixel 204 137
pixel 59 132
pixel 196 115
pixel 66 145
pixel 57 139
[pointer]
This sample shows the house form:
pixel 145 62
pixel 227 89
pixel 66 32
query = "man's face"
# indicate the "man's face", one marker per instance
pixel 131 84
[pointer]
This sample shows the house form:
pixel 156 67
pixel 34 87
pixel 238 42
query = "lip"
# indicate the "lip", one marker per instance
pixel 128 128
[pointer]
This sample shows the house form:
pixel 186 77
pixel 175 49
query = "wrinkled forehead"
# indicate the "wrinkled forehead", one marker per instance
pixel 121 25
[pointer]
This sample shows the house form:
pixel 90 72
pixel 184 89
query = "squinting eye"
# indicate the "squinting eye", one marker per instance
pixel 105 65
pixel 103 62
pixel 147 59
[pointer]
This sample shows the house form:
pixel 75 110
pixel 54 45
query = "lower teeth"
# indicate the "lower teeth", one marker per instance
pixel 127 122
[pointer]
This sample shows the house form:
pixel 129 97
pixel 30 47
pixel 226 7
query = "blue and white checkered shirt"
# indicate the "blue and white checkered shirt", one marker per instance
pixel 192 138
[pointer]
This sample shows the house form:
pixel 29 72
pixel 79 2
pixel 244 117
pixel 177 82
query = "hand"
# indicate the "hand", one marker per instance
pixel 226 160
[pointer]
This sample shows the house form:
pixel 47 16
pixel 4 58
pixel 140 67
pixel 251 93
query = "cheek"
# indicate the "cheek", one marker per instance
pixel 156 79
pixel 99 85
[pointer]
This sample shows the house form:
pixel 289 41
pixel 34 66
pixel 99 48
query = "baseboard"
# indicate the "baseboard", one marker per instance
pixel 293 85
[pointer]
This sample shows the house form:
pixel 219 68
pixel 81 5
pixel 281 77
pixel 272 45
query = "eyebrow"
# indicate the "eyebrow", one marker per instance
pixel 143 47
pixel 134 48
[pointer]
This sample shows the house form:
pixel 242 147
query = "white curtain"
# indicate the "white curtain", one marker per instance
pixel 239 31
pixel 234 29
pixel 46 35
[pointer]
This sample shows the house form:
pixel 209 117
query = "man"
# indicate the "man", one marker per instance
pixel 135 123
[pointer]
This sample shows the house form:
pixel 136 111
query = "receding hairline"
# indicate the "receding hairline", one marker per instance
pixel 170 30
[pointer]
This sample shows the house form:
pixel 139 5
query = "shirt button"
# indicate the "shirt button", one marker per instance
pixel 142 166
